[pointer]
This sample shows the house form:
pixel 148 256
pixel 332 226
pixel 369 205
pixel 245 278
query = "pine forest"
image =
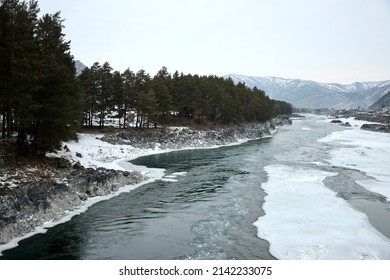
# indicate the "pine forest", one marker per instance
pixel 43 102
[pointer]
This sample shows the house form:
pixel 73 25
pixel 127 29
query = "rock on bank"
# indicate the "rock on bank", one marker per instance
pixel 37 201
pixel 182 138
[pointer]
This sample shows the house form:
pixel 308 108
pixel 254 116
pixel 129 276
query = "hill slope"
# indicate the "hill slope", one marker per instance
pixel 79 67
pixel 311 94
pixel 383 102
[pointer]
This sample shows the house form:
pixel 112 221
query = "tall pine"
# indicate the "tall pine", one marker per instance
pixel 129 94
pixel 57 115
pixel 88 95
pixel 18 66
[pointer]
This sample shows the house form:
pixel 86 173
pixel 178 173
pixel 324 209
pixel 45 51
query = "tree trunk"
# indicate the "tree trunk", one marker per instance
pixel 3 126
pixel 90 118
pixel 124 116
pixel 140 122
pixel 9 121
pixel 101 122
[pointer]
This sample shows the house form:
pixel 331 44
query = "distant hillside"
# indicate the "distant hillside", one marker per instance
pixel 310 94
pixel 383 102
pixel 79 67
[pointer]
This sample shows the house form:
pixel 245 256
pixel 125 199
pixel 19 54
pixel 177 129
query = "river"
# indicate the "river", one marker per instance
pixel 224 203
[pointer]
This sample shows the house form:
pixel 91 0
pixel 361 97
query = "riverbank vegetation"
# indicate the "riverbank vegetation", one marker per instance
pixel 163 99
pixel 43 102
pixel 39 95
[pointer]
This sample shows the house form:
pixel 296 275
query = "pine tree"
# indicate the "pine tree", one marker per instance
pixel 88 95
pixel 98 92
pixel 105 96
pixel 3 67
pixel 38 90
pixel 147 108
pixel 57 115
pixel 129 94
pixel 117 102
pixel 95 91
pixel 19 62
pixel 163 96
pixel 141 87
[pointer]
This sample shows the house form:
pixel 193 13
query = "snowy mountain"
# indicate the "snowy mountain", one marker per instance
pixel 383 102
pixel 310 94
pixel 79 67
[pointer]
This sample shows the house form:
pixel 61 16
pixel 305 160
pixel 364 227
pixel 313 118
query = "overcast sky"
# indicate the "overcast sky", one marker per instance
pixel 322 40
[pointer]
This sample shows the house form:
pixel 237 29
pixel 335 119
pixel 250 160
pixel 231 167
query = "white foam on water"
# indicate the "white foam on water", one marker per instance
pixel 305 220
pixel 169 180
pixel 179 173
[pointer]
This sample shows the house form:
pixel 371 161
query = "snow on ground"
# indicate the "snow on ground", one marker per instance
pixel 366 151
pixel 90 151
pixel 305 220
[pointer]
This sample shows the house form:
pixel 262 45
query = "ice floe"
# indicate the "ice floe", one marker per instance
pixel 366 151
pixel 305 220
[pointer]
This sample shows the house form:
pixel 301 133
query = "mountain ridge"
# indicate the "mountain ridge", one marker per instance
pixel 79 67
pixel 383 102
pixel 312 94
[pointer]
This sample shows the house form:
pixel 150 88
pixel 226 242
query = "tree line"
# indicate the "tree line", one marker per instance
pixel 166 98
pixel 39 94
pixel 43 102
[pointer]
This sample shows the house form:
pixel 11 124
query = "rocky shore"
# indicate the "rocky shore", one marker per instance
pixel 181 138
pixel 382 119
pixel 47 193
pixel 31 196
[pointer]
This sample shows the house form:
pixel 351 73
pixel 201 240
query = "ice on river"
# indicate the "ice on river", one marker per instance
pixel 366 151
pixel 305 220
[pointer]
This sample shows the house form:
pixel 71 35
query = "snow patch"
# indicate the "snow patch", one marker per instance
pixel 90 151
